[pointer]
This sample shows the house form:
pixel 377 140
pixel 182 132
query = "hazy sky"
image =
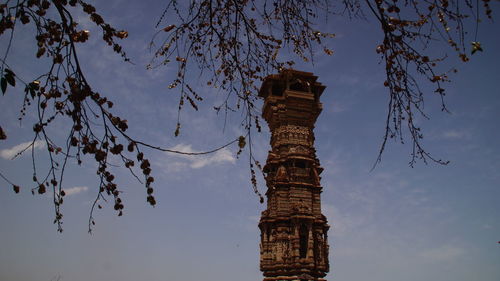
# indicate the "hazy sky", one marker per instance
pixel 430 222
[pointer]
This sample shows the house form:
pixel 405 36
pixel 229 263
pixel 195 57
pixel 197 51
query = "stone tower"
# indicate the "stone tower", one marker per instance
pixel 294 242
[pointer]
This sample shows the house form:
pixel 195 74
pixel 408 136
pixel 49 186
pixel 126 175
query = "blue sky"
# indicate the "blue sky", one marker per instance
pixel 429 222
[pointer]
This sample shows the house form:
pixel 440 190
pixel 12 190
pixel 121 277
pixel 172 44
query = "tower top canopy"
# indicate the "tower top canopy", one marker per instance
pixel 291 80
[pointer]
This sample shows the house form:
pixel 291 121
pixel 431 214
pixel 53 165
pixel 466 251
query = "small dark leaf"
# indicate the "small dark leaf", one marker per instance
pixel 3 83
pixel 2 134
pixel 193 104
pixel 41 189
pixel 122 34
pixel 130 146
pixel 476 46
pixel 9 75
pixel 177 130
pixel 241 142
pixel 168 28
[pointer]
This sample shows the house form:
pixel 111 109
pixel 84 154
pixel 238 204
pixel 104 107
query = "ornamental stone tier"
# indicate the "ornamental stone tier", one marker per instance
pixel 294 241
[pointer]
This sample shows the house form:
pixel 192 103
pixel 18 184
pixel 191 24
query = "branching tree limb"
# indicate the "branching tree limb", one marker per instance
pixel 64 93
pixel 234 44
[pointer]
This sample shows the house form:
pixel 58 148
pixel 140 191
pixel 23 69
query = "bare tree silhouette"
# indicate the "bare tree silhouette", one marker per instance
pixel 235 43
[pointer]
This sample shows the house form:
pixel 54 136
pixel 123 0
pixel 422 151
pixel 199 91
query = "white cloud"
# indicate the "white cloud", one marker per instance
pixel 200 161
pixel 343 222
pixel 75 190
pixel 349 79
pixel 223 155
pixel 70 191
pixel 338 222
pixel 10 153
pixel 175 166
pixel 442 254
pixel 339 107
pixel 486 226
pixel 455 134
pixel 254 219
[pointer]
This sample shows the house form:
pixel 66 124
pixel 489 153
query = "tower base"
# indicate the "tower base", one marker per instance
pixel 292 278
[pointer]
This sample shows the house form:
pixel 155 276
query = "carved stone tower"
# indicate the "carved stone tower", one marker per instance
pixel 294 242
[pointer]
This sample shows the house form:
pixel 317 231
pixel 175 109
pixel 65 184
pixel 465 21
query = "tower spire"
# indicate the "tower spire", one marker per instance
pixel 294 242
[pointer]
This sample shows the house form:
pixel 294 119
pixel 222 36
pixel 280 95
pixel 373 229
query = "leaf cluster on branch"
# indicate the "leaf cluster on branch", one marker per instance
pixel 410 30
pixel 63 92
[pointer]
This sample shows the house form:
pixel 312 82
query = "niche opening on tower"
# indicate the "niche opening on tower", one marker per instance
pixel 303 239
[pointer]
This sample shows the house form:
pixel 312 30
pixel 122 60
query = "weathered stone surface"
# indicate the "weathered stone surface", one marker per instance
pixel 294 241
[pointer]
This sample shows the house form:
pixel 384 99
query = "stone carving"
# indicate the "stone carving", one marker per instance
pixel 301 207
pixel 281 174
pixel 315 176
pixel 292 135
